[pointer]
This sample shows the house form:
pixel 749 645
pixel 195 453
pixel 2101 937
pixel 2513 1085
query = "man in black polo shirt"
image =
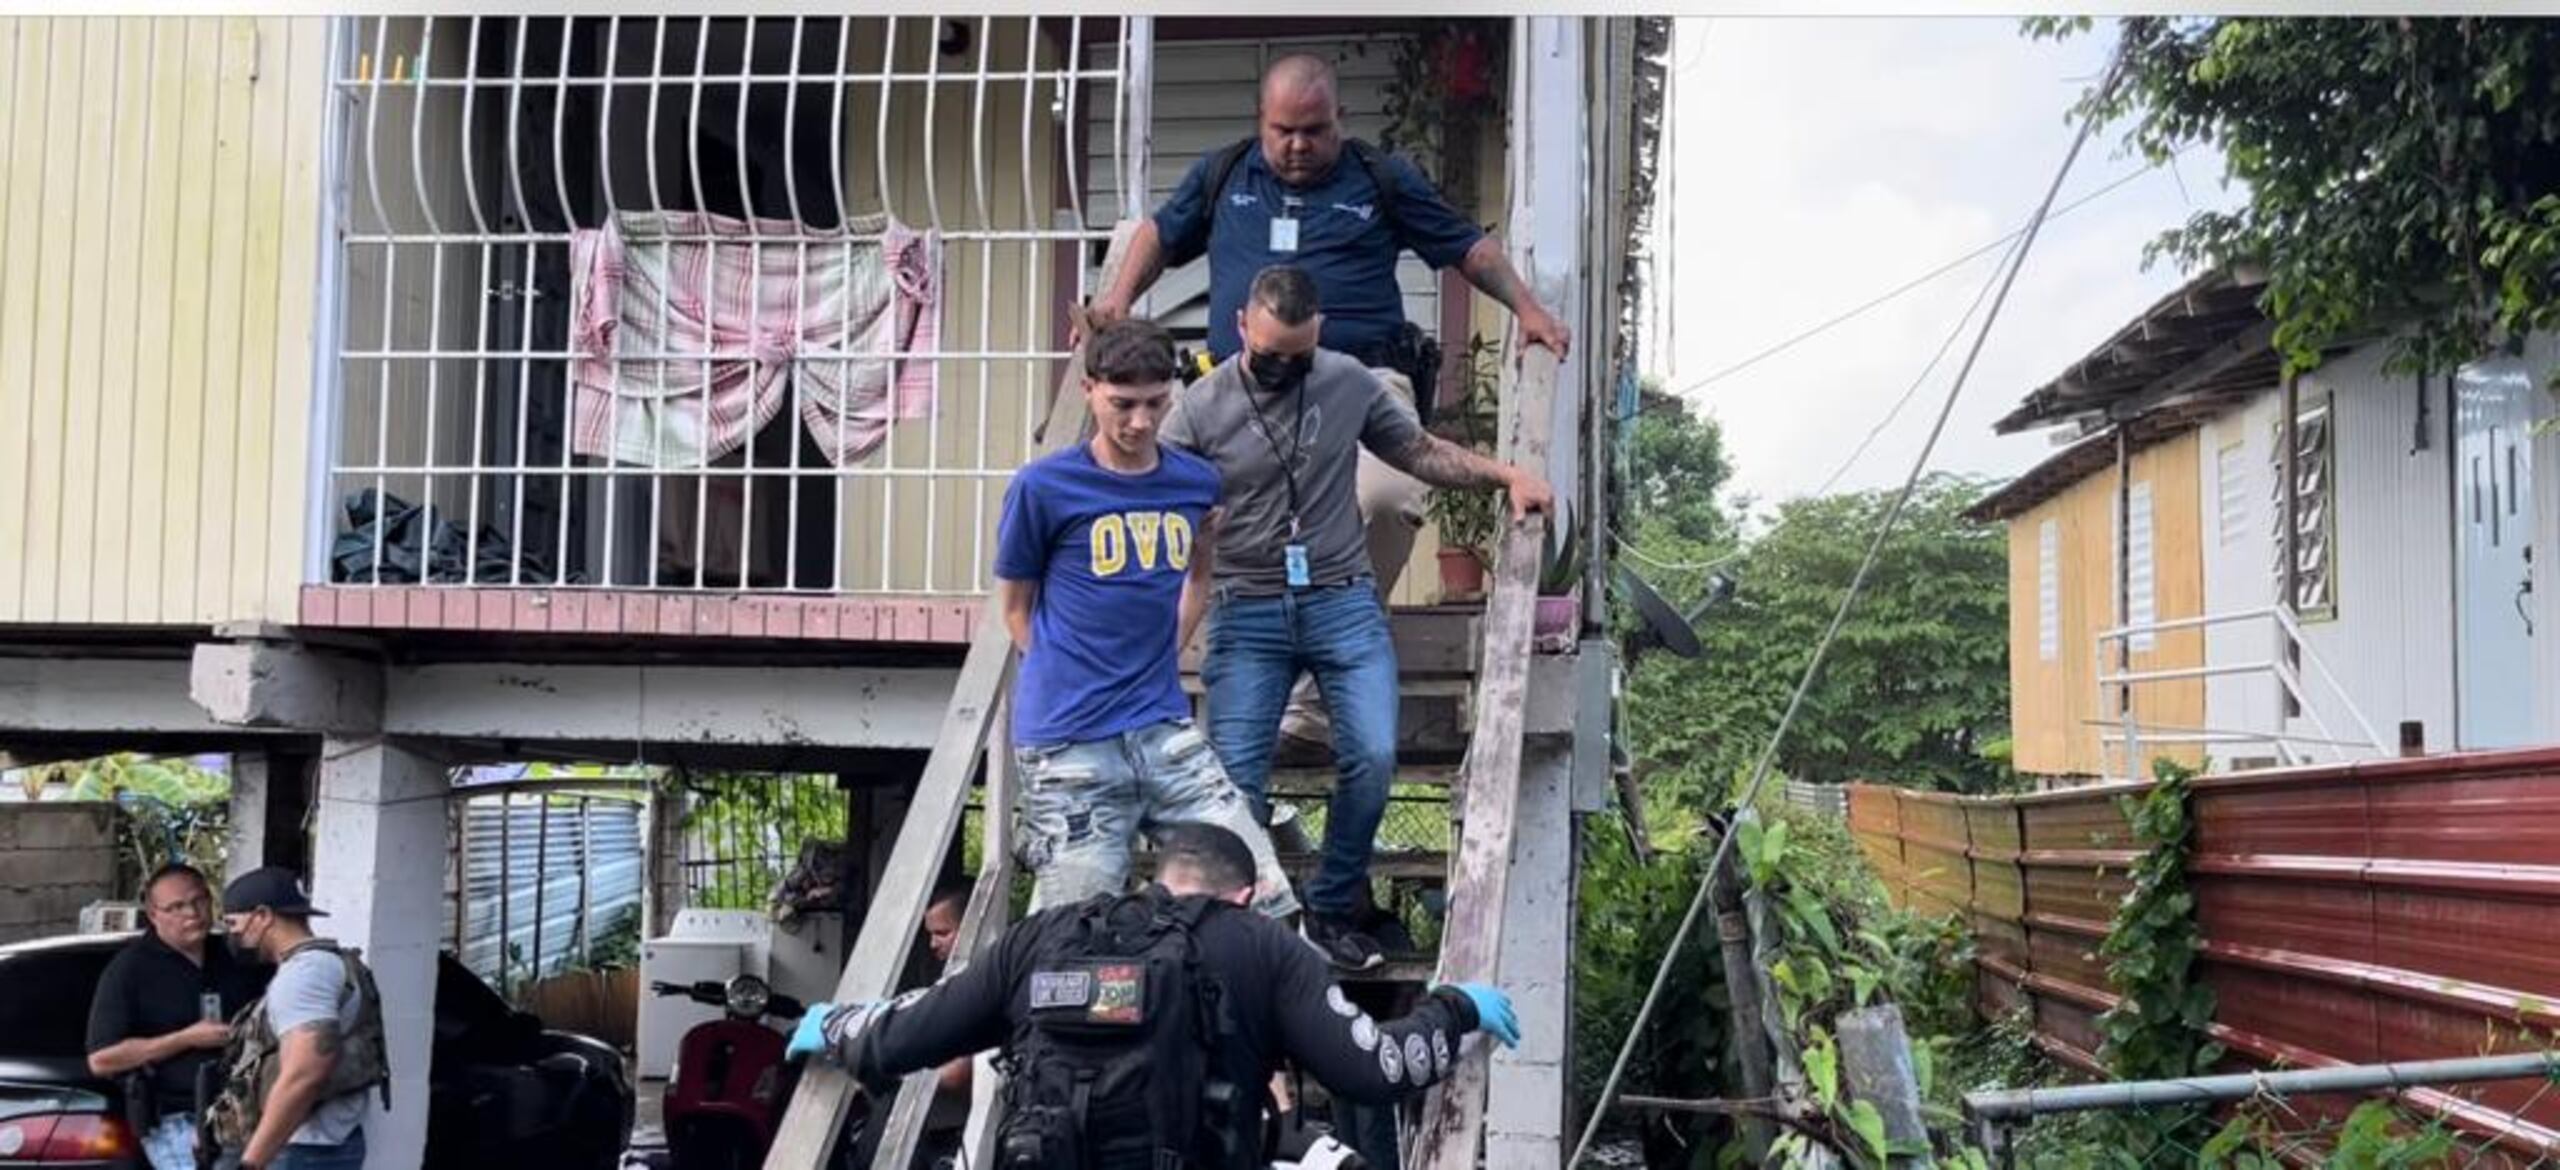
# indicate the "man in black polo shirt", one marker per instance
pixel 162 1007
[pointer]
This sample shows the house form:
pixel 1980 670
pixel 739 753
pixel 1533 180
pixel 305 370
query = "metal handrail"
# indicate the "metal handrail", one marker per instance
pixel 2127 732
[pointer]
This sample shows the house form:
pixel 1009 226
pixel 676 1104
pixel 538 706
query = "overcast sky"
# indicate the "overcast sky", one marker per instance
pixel 1819 162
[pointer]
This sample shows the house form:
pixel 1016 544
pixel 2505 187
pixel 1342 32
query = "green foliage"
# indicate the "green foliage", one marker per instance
pixel 2157 1029
pixel 1625 916
pixel 173 810
pixel 1677 471
pixel 1840 947
pixel 753 825
pixel 2375 1136
pixel 1468 519
pixel 1446 85
pixel 2400 172
pixel 1916 686
pixel 617 942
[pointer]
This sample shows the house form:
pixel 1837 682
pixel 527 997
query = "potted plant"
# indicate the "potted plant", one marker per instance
pixel 1468 520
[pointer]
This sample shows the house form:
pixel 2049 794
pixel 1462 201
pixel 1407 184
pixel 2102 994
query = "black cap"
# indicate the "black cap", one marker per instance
pixel 274 888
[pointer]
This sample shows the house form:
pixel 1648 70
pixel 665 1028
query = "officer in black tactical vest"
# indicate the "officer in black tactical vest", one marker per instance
pixel 302 1060
pixel 1140 1031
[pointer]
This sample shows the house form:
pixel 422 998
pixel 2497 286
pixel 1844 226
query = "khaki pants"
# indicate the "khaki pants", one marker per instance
pixel 1391 506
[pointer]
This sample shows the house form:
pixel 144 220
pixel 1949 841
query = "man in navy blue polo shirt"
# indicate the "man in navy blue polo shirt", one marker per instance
pixel 1299 197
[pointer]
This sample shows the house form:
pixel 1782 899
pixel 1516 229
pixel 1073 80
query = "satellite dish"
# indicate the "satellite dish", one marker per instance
pixel 1664 625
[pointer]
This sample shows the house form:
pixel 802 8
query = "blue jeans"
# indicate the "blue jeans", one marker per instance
pixel 346 1155
pixel 1257 648
pixel 1083 805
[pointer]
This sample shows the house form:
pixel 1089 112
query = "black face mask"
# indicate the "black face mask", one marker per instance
pixel 1279 371
pixel 240 950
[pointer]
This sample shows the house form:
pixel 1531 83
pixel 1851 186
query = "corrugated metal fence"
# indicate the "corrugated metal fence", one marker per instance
pixel 543 877
pixel 1827 799
pixel 2384 911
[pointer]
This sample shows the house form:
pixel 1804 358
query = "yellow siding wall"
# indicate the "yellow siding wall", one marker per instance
pixel 157 244
pixel 2053 703
pixel 985 408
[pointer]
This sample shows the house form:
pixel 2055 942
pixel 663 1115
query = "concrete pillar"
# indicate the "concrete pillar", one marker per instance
pixel 1526 1093
pixel 663 893
pixel 245 844
pixel 378 872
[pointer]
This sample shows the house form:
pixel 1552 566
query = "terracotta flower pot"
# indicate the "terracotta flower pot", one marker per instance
pixel 1461 574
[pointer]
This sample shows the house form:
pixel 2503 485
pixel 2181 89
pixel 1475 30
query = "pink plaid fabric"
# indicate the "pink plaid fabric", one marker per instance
pixel 686 323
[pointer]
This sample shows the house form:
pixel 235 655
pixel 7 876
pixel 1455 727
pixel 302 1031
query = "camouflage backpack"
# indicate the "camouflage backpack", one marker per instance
pixel 253 1059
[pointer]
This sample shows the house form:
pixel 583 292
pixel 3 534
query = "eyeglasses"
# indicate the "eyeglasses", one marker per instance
pixel 196 907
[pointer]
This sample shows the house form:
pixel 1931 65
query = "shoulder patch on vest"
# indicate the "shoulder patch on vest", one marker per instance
pixel 1060 989
pixel 1119 994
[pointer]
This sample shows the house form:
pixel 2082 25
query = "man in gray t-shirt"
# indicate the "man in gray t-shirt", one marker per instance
pixel 1285 421
pixel 313 1007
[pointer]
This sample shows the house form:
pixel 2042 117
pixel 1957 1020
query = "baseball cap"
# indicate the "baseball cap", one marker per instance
pixel 273 888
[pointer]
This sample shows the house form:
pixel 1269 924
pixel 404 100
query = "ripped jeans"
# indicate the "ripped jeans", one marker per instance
pixel 1083 805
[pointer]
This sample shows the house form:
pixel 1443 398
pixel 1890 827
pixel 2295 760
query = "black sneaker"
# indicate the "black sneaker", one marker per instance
pixel 1343 945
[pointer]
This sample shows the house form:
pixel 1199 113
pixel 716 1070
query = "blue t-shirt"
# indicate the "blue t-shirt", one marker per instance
pixel 1343 242
pixel 1110 552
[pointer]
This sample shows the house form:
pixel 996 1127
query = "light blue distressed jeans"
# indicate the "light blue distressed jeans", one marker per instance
pixel 171 1144
pixel 1083 805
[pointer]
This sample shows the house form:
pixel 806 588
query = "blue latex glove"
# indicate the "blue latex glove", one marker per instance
pixel 1494 1016
pixel 810 1035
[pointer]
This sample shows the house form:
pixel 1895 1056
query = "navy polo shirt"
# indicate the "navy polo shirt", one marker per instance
pixel 1343 242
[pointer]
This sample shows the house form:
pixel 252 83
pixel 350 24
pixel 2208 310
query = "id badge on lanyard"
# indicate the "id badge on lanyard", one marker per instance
pixel 1293 559
pixel 1284 227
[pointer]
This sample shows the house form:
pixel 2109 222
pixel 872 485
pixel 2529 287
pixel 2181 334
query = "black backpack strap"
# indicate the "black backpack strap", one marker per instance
pixel 1222 169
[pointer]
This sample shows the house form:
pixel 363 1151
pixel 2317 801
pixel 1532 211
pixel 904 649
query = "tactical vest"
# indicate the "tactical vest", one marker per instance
pixel 253 1060
pixel 1116 1066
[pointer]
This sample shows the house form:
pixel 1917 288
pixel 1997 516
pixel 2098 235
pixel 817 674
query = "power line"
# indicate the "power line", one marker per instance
pixel 1912 390
pixel 1676 566
pixel 1839 618
pixel 1889 295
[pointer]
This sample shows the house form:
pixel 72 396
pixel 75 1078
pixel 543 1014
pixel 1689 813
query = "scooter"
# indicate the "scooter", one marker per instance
pixel 731 1081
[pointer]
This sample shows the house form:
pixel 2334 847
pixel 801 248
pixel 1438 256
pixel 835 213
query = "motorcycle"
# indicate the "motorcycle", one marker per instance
pixel 731 1081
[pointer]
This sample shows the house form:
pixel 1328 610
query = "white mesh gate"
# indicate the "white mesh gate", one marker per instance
pixel 706 303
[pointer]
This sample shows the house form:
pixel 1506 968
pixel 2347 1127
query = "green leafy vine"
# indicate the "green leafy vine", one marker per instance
pixel 2157 1028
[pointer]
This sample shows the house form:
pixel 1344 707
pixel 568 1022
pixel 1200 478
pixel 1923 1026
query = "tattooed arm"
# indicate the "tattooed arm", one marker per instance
pixel 306 1056
pixel 1443 464
pixel 1489 268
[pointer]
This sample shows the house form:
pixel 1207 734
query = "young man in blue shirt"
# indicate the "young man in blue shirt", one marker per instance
pixel 1102 562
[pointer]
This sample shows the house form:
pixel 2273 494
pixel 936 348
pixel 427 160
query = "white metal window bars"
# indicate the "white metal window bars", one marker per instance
pixel 472 150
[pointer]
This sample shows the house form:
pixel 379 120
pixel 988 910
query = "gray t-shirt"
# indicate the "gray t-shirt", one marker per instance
pixel 1344 407
pixel 309 988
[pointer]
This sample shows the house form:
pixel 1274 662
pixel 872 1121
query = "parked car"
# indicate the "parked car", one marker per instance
pixel 503 1092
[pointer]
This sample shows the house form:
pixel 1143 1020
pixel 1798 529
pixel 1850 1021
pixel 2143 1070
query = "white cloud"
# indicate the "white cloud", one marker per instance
pixel 1821 162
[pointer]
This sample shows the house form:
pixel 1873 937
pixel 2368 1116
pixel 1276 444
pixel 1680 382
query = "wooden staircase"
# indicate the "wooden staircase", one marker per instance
pixel 1468 703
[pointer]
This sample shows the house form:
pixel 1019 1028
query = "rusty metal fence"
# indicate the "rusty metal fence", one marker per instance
pixel 2352 914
